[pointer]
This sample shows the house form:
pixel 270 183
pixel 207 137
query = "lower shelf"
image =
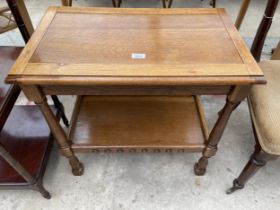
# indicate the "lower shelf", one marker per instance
pixel 26 136
pixel 137 123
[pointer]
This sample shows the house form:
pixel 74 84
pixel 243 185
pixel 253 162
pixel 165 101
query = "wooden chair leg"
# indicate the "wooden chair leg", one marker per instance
pixel 40 188
pixel 119 3
pixel 213 3
pixel 170 3
pixel 114 3
pixel 63 2
pixel 258 159
pixel 22 18
pixel 66 2
pixel 167 3
pixel 242 13
pixel 163 3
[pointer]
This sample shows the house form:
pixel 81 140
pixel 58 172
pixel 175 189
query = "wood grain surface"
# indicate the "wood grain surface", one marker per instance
pixel 93 43
pixel 126 122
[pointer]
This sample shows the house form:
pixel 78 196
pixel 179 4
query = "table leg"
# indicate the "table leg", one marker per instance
pixel 242 13
pixel 238 94
pixel 258 159
pixel 164 3
pixel 213 3
pixel 114 3
pixel 119 3
pixel 170 3
pixel 66 2
pixel 34 93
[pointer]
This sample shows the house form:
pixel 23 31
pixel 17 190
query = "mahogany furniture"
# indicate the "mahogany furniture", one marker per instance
pixel 138 74
pixel 25 140
pixel 263 105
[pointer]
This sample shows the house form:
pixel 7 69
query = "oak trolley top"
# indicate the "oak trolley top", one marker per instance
pixel 135 46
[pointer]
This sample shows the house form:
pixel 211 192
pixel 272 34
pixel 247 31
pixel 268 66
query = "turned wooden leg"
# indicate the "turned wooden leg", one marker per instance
pixel 213 3
pixel 170 3
pixel 34 93
pixel 118 3
pixel 233 100
pixel 258 159
pixel 163 3
pixel 40 188
pixel 21 17
pixel 66 2
pixel 114 3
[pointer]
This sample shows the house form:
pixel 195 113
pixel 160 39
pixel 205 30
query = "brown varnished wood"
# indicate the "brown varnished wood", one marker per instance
pixel 104 70
pixel 35 94
pixel 136 90
pixel 28 144
pixel 213 47
pixel 26 53
pixel 23 157
pixel 156 42
pixel 241 47
pixel 214 61
pixel 65 3
pixel 263 29
pixel 237 94
pixel 139 81
pixel 131 122
pixel 24 24
pixel 260 157
pixel 12 173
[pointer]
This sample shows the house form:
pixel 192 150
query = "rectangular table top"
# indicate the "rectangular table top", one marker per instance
pixel 135 46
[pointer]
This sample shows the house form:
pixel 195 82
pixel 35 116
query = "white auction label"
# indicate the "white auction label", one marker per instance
pixel 138 55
